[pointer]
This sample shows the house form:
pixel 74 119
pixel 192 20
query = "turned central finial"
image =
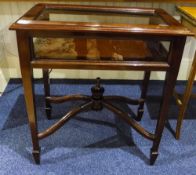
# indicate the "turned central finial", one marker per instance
pixel 97 95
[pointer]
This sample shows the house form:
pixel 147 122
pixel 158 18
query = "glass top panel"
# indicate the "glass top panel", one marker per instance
pixel 99 17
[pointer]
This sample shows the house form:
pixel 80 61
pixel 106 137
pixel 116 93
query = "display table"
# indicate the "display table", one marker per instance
pixel 188 15
pixel 99 38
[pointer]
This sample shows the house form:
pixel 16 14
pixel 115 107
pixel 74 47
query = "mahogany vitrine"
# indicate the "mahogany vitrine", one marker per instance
pixel 56 36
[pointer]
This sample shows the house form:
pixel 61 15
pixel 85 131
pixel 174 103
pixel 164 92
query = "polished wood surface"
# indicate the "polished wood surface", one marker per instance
pixel 28 21
pixel 27 79
pixel 30 26
pixel 168 1
pixel 189 20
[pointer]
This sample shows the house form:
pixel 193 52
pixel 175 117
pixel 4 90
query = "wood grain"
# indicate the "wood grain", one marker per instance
pixel 27 28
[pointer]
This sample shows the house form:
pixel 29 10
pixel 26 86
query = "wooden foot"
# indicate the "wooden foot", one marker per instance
pixel 48 112
pixel 139 114
pixel 36 156
pixel 177 135
pixel 153 156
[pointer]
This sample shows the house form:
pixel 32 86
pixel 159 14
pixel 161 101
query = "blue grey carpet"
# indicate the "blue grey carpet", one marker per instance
pixel 93 143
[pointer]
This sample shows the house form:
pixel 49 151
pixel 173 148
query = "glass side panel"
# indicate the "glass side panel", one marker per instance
pixel 99 17
pixel 99 49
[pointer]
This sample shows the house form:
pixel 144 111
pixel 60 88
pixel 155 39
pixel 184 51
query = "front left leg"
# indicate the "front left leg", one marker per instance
pixel 27 79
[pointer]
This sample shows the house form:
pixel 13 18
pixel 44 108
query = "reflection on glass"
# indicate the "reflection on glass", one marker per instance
pixel 98 49
pixel 99 17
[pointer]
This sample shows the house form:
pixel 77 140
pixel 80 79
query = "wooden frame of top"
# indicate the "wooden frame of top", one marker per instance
pixel 28 21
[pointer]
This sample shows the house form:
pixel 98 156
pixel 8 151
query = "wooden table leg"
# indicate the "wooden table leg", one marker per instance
pixel 186 97
pixel 46 79
pixel 167 93
pixel 27 78
pixel 171 75
pixel 144 87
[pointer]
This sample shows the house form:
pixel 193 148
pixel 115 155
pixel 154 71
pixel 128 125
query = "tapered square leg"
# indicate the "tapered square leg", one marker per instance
pixel 153 156
pixel 143 95
pixel 171 76
pixel 46 79
pixel 27 79
pixel 186 97
pixel 36 156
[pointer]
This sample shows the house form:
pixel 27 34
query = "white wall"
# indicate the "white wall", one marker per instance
pixel 9 63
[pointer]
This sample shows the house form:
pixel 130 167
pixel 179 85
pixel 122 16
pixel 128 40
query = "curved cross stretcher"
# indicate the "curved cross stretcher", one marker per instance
pixel 96 102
